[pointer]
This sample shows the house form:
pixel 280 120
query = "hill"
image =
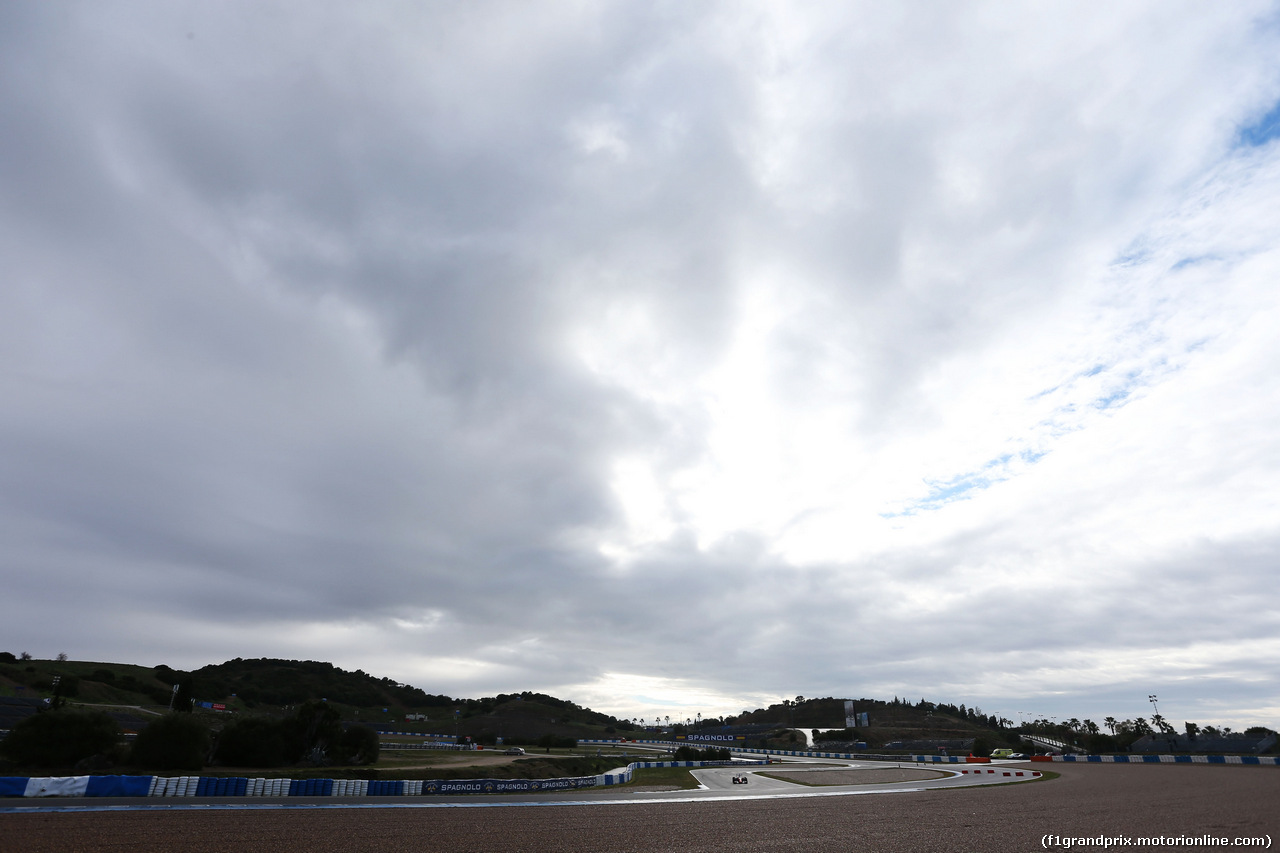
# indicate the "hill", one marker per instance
pixel 271 686
pixel 889 723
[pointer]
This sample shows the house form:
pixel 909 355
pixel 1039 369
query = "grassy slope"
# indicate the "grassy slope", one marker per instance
pixel 267 686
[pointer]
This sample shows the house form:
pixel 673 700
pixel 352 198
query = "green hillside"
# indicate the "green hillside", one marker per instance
pixel 90 682
pixel 889 722
pixel 270 686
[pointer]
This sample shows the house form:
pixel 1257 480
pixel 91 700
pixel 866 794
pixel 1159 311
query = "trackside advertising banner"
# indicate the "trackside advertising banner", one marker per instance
pixel 503 786
pixel 705 738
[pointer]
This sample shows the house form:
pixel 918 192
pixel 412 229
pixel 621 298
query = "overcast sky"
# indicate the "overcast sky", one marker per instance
pixel 671 358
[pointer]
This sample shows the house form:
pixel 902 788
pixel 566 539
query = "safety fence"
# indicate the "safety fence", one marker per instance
pixel 240 786
pixel 967 759
pixel 211 786
pixel 792 753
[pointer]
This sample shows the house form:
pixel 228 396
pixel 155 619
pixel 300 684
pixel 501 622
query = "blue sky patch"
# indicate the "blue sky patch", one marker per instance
pixel 1192 261
pixel 1262 131
pixel 1111 400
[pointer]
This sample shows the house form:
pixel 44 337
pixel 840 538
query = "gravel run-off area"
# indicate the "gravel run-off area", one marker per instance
pixel 1087 800
pixel 872 776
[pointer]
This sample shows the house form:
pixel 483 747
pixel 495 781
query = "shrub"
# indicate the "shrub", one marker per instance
pixel 552 741
pixel 259 742
pixel 1101 743
pixel 315 730
pixel 60 738
pixel 359 745
pixel 182 695
pixel 176 741
pixel 690 753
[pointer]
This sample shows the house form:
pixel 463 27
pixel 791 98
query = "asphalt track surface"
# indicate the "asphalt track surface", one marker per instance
pixel 1113 800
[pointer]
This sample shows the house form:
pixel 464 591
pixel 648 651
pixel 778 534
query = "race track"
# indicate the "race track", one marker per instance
pixel 1088 800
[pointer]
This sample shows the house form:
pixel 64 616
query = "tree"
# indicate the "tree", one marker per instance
pixel 552 741
pixel 359 745
pixel 176 741
pixel 690 753
pixel 182 696
pixel 62 657
pixel 1110 723
pixel 259 742
pixel 60 738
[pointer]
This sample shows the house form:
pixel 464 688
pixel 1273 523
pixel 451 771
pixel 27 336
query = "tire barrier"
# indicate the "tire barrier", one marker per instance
pixel 240 786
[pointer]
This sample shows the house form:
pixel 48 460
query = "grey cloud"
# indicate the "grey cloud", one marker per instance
pixel 284 338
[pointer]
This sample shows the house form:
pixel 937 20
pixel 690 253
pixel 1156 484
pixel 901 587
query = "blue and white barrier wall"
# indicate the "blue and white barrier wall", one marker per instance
pixel 240 786
pixel 218 786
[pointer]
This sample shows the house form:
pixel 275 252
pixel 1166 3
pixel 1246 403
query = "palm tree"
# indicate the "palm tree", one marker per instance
pixel 1111 724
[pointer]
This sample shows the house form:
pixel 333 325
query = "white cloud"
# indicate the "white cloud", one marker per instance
pixel 843 351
